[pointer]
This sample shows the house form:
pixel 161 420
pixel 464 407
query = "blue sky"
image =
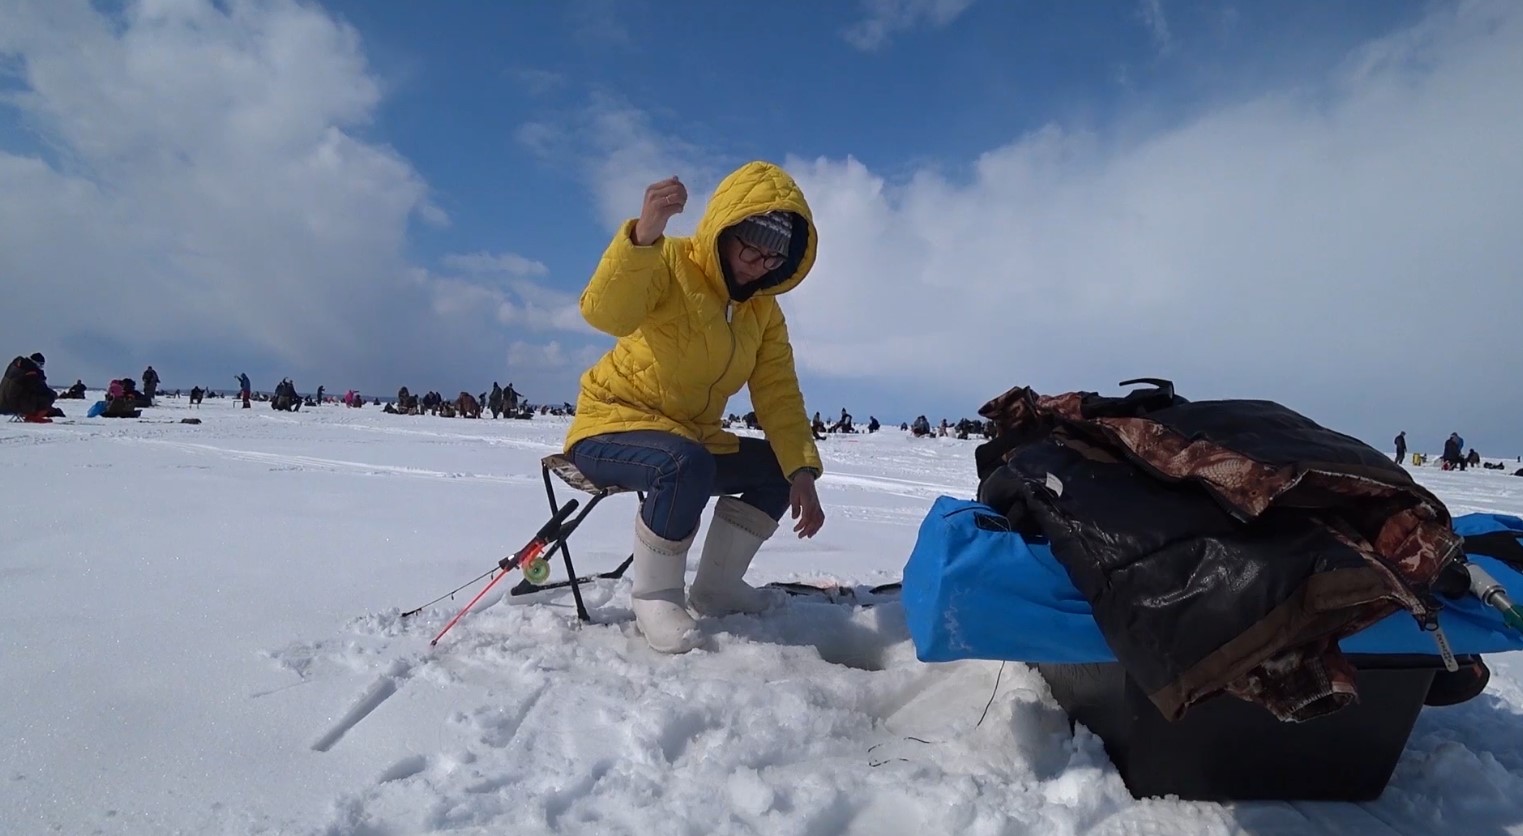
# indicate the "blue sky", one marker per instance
pixel 461 85
pixel 1302 201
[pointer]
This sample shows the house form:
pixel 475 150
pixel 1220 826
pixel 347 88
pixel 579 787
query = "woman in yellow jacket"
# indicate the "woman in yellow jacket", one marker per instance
pixel 696 319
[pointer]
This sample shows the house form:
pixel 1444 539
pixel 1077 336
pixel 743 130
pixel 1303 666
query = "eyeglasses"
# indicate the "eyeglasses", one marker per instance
pixel 753 255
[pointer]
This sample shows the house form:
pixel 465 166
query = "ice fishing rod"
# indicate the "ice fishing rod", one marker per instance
pixel 450 594
pixel 529 554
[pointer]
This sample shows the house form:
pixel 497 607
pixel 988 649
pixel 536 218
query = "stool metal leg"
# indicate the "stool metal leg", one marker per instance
pixel 576 588
pixel 566 530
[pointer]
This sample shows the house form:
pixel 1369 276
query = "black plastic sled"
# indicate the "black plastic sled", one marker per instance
pixel 1226 749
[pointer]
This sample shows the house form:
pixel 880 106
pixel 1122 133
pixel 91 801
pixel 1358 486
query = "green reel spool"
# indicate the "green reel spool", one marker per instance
pixel 536 571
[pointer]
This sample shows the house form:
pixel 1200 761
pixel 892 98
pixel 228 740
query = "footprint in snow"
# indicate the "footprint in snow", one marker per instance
pixel 404 768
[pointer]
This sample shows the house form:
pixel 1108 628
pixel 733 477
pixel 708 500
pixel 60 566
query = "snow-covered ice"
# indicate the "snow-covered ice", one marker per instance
pixel 201 632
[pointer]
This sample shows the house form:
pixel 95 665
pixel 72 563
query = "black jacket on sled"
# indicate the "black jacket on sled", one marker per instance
pixel 1224 546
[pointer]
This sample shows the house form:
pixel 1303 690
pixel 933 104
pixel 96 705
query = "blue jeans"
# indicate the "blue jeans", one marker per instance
pixel 679 476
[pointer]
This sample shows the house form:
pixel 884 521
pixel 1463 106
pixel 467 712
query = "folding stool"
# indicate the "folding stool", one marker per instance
pixel 568 472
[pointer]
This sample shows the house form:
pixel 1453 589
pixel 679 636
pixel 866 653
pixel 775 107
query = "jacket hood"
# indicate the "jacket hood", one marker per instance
pixel 755 188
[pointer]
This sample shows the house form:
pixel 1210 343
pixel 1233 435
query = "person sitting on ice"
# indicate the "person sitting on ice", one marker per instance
pixel 921 427
pixel 1451 457
pixel 139 400
pixel 843 424
pixel 77 391
pixel 647 415
pixel 1474 459
pixel 873 425
pixel 24 389
pixel 286 399
pixel 121 399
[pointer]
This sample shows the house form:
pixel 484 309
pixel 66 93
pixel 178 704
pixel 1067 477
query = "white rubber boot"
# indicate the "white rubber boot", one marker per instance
pixel 660 570
pixel 735 534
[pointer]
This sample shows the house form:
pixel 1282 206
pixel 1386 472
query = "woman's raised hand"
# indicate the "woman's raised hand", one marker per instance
pixel 662 201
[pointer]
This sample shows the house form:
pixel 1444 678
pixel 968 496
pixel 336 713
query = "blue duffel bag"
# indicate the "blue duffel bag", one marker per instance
pixel 975 589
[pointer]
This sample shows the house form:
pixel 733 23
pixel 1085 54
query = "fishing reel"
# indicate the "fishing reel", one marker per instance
pixel 536 571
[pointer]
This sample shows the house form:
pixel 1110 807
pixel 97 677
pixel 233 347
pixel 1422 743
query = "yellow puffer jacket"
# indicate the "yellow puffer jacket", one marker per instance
pixel 684 347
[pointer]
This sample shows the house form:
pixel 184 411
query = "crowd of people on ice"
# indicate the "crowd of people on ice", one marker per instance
pixel 26 395
pixel 921 427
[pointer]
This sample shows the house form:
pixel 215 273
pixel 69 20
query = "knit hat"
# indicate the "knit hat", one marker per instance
pixel 38 358
pixel 771 232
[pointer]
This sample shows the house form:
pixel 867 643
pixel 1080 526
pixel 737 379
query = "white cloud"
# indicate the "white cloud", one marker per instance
pixel 532 363
pixel 204 180
pixel 552 356
pixel 1151 12
pixel 1346 246
pixel 201 188
pixel 617 151
pixel 525 313
pixel 885 18
pixel 1351 246
pixel 510 264
pixel 434 216
pixel 542 138
pixel 518 304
